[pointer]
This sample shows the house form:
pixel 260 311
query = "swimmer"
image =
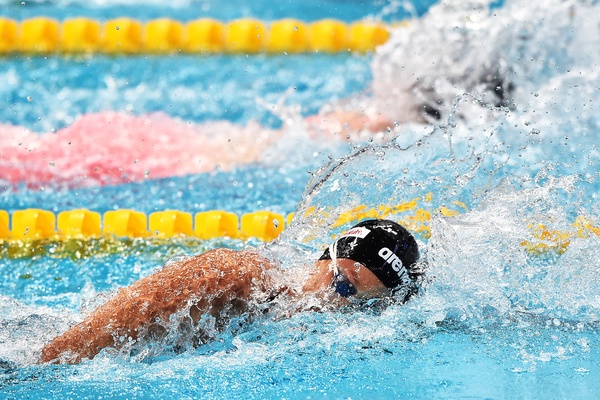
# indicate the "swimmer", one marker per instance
pixel 374 259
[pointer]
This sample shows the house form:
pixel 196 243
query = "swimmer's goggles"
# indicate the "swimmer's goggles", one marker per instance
pixel 341 284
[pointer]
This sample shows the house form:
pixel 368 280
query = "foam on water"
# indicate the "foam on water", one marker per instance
pixel 503 55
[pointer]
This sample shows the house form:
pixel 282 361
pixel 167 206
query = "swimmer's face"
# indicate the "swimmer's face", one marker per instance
pixel 326 277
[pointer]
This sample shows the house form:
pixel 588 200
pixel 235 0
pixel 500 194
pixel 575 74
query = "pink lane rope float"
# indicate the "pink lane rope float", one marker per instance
pixel 112 148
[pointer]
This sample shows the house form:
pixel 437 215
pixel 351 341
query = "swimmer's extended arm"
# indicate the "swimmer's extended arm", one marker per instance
pixel 210 282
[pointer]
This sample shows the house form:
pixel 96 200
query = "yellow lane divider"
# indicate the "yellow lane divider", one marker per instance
pixel 33 224
pixel 546 239
pixel 36 225
pixel 43 35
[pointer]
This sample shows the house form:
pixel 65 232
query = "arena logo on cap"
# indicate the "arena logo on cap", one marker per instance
pixel 359 232
pixel 393 260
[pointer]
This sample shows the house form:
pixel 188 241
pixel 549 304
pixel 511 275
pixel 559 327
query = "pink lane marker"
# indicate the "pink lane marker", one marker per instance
pixel 112 148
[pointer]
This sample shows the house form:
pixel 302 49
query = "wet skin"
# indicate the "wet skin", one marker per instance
pixel 365 282
pixel 219 282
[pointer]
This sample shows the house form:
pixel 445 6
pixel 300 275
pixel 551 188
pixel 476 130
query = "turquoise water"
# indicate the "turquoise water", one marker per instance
pixel 185 10
pixel 192 88
pixel 493 320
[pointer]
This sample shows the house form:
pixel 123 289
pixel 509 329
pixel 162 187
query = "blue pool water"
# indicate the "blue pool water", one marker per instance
pixel 185 10
pixel 494 319
pixel 195 89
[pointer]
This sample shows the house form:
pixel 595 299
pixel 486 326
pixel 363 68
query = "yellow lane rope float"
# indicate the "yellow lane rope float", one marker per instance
pixel 126 36
pixel 20 232
pixel 34 224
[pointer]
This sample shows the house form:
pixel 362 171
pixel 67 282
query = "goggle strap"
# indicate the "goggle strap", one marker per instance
pixel 333 255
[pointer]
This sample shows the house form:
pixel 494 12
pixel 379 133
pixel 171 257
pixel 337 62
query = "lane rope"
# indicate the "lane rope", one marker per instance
pixel 24 228
pixel 127 36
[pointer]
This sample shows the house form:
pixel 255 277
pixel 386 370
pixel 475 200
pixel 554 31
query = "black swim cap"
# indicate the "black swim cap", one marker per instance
pixel 386 248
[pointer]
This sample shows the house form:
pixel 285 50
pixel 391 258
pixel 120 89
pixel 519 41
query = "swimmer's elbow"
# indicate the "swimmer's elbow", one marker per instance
pixel 57 353
pixel 76 344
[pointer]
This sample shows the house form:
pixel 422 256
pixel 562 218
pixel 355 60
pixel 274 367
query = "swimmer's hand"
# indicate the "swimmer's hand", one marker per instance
pixel 207 283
